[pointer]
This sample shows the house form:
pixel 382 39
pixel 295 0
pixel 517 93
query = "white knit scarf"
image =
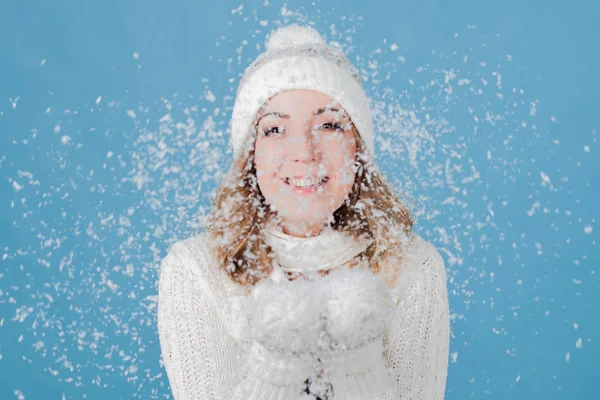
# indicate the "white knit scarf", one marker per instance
pixel 330 249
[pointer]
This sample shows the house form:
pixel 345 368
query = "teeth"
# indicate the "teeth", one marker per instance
pixel 306 182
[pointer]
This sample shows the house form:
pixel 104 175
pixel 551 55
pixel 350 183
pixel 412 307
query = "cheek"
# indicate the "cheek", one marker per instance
pixel 341 158
pixel 267 163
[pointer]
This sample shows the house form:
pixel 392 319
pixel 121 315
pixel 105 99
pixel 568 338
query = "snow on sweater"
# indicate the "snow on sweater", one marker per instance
pixel 368 341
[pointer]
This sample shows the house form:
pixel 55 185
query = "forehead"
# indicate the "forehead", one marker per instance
pixel 299 101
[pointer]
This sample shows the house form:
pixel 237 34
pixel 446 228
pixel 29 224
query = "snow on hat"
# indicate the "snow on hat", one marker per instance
pixel 297 57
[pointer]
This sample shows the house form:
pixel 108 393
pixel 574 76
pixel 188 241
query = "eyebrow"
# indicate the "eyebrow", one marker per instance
pixel 324 109
pixel 275 113
pixel 285 116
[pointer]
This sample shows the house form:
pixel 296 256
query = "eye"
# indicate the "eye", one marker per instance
pixel 331 126
pixel 273 130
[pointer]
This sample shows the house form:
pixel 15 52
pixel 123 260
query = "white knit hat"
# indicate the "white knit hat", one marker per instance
pixel 297 57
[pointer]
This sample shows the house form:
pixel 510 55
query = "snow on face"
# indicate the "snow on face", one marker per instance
pixel 304 133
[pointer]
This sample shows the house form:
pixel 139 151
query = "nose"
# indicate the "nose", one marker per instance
pixel 303 145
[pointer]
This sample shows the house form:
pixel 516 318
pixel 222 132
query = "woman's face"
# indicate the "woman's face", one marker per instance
pixel 304 155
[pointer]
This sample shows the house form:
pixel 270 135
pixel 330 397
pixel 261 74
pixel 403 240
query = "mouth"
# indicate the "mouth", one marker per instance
pixel 306 184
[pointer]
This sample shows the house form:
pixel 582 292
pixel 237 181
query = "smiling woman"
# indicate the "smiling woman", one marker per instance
pixel 309 282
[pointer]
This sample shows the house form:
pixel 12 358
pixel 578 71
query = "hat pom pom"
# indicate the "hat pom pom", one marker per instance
pixel 293 35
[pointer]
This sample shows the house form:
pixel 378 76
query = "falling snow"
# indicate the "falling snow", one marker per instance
pixel 96 202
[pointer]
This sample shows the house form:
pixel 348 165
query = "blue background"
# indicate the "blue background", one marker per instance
pixel 113 133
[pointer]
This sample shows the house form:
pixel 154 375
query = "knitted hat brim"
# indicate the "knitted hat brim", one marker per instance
pixel 297 72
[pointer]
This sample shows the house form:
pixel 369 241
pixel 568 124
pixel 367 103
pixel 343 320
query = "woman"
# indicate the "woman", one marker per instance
pixel 308 282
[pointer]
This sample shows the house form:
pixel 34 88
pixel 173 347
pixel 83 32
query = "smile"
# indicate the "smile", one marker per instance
pixel 307 185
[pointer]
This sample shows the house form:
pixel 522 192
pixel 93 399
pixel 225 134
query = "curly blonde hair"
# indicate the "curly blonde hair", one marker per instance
pixel 239 214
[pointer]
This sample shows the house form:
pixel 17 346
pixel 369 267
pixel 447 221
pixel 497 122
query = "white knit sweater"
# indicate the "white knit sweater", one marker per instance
pixel 369 341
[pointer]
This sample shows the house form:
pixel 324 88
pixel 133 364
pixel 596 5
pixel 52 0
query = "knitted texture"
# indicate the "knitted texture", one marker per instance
pixel 208 353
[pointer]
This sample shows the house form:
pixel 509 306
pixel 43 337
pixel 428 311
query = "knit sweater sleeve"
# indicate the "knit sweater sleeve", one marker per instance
pixel 197 351
pixel 417 344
